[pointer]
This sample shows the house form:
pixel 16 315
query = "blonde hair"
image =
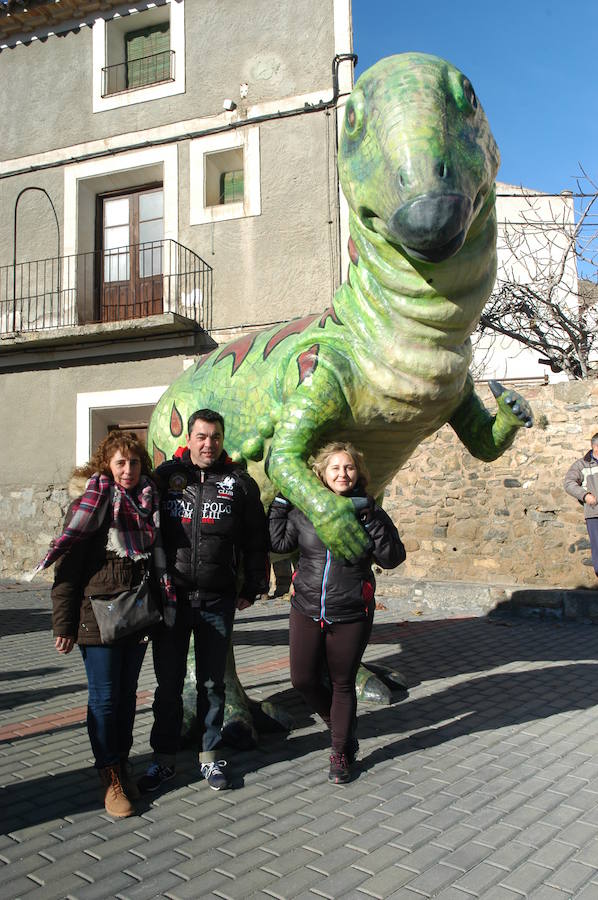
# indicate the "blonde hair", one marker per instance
pixel 322 458
pixel 127 443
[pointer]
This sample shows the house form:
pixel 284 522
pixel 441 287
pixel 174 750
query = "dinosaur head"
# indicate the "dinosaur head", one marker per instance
pixel 417 159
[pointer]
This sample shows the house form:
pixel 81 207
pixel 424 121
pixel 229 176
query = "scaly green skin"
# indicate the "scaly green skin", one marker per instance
pixel 387 364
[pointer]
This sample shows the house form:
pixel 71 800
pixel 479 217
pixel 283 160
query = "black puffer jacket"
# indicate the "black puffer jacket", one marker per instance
pixel 212 519
pixel 327 588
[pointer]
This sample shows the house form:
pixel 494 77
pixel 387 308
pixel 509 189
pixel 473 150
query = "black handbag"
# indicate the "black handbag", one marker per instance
pixel 122 614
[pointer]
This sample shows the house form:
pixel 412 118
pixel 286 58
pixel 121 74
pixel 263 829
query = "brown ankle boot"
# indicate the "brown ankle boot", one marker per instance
pixel 115 799
pixel 127 779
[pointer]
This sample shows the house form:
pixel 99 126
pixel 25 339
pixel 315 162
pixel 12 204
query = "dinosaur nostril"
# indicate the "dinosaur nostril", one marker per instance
pixel 442 170
pixel 402 178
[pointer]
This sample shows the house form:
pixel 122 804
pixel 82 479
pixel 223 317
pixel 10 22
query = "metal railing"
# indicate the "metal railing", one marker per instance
pixel 123 283
pixel 137 73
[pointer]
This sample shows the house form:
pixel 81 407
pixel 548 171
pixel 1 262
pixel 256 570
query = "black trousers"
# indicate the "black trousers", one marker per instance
pixel 339 647
pixel 211 635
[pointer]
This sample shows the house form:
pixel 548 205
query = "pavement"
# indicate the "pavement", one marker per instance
pixel 480 782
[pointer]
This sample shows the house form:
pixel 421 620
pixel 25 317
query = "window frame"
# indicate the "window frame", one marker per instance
pixel 144 93
pixel 246 138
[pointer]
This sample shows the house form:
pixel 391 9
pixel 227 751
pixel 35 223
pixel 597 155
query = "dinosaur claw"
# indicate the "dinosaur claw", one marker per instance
pixel 496 388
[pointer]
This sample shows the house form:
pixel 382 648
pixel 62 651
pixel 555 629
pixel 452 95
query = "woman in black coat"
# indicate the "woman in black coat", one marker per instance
pixel 332 603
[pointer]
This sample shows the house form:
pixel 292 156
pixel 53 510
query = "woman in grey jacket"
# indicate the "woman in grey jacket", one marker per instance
pixel 332 604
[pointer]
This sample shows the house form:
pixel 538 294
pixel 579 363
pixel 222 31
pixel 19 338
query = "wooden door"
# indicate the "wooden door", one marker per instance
pixel 132 255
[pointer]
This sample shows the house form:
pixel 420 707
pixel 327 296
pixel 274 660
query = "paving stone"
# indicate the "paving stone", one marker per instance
pixel 340 884
pixel 434 879
pixel 248 886
pixel 414 838
pixel 15 850
pixel 578 834
pixel 198 887
pixel 290 862
pixel 114 884
pixel 572 875
pixel 478 879
pixel 154 887
pixel 200 863
pixel 18 888
pixel 126 841
pixel 526 877
pixel 371 840
pixel 340 858
pixel 454 837
pixel 69 885
pixel 387 882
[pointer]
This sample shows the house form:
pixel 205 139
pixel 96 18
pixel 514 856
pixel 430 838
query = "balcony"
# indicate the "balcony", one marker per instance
pixel 138 73
pixel 124 284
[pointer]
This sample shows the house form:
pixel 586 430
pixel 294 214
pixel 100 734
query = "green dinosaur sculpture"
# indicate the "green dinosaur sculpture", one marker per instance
pixel 387 364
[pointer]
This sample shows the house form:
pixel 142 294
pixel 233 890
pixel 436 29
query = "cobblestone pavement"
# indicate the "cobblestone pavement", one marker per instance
pixel 482 782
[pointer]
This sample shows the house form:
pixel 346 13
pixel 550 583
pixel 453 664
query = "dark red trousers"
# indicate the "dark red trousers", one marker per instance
pixel 338 648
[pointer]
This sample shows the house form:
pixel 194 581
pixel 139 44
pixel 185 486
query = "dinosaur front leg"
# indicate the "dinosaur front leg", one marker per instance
pixel 310 416
pixel 487 436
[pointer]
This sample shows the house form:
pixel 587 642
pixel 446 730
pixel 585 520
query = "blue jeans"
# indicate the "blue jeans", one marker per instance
pixel 112 675
pixel 211 636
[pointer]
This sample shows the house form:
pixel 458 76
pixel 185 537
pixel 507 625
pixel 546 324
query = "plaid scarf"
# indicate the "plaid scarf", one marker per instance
pixel 134 529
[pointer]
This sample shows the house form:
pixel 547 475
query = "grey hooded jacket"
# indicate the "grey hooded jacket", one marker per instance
pixel 581 479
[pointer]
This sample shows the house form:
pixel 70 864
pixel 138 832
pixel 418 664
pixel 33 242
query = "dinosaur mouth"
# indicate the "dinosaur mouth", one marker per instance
pixel 431 228
pixel 438 254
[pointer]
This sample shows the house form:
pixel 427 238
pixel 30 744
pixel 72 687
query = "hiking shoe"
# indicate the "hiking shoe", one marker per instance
pixel 154 777
pixel 339 773
pixel 213 774
pixel 116 802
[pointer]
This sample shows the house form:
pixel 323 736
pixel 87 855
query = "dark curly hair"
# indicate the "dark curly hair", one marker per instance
pixel 125 442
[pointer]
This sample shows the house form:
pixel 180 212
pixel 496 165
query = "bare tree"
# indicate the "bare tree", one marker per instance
pixel 546 292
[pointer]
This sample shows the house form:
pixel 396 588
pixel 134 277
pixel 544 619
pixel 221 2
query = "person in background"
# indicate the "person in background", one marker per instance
pixel 581 481
pixel 332 601
pixel 110 541
pixel 214 527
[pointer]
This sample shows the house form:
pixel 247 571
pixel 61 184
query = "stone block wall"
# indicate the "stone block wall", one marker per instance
pixel 507 522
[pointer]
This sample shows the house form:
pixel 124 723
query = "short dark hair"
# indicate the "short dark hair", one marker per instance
pixel 206 415
pixel 595 438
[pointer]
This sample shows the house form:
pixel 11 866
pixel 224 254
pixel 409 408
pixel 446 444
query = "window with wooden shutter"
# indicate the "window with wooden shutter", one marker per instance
pixel 147 55
pixel 231 187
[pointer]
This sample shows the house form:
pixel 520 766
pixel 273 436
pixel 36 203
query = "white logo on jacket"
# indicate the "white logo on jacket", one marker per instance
pixel 213 510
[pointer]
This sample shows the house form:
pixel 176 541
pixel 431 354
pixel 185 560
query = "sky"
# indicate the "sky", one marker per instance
pixel 532 63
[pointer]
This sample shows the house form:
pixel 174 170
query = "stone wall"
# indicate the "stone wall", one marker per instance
pixel 507 522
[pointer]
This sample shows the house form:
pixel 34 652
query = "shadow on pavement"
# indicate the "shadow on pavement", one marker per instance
pixel 24 621
pixel 13 699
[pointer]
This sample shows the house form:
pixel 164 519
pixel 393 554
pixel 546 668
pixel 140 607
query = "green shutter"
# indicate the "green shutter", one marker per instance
pixel 231 187
pixel 147 55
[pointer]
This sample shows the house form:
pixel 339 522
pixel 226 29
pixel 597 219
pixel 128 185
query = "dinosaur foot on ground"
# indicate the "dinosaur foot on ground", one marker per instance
pixel 243 725
pixel 379 684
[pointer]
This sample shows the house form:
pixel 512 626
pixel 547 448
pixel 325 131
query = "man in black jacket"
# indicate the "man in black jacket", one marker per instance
pixel 212 519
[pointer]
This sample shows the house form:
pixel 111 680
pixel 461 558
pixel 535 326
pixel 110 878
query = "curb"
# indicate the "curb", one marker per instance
pixel 453 599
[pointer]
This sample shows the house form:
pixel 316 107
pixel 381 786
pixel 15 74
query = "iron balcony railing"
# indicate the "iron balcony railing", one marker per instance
pixel 129 282
pixel 137 73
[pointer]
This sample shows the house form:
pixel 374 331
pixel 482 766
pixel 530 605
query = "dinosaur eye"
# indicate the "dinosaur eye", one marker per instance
pixel 355 115
pixel 469 93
